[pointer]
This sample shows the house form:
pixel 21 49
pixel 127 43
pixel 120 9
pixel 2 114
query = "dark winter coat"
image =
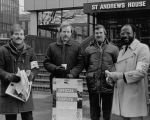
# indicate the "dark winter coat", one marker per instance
pixel 97 60
pixel 70 54
pixel 10 60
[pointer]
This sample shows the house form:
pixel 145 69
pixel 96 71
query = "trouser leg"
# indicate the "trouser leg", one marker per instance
pixel 11 117
pixel 106 105
pixel 27 115
pixel 94 106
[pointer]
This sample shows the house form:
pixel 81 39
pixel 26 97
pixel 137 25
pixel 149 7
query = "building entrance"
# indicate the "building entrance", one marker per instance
pixel 114 14
pixel 114 21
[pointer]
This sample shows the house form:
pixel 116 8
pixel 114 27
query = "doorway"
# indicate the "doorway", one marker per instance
pixel 113 21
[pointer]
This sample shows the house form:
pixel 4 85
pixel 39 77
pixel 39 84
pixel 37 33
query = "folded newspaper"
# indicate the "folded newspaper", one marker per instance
pixel 21 90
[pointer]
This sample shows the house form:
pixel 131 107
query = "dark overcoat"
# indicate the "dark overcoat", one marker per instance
pixel 10 60
pixel 59 53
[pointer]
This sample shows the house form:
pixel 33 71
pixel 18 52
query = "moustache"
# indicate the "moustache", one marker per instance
pixel 18 38
pixel 65 36
pixel 126 41
pixel 98 37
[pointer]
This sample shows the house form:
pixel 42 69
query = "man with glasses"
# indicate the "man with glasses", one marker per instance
pixel 130 77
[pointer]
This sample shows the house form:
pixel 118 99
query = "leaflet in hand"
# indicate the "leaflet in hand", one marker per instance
pixel 21 90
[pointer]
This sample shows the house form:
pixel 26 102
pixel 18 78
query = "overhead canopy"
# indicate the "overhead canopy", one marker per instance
pixel 50 27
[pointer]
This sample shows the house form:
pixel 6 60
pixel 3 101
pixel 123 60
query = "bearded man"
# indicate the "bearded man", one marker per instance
pixel 130 78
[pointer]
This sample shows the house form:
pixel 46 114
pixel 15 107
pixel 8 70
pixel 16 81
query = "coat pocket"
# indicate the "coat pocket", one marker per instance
pixel 3 88
pixel 91 84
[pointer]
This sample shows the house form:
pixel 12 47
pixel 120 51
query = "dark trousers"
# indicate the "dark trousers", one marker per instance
pixel 100 101
pixel 24 116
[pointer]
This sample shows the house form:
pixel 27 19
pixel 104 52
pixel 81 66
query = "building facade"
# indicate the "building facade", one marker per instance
pixel 9 14
pixel 111 13
pixel 114 14
pixel 46 16
pixel 24 20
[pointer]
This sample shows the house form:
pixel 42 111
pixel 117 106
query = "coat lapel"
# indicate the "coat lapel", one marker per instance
pixel 129 52
pixel 123 56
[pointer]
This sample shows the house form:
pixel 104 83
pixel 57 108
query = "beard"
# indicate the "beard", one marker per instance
pixel 65 38
pixel 126 41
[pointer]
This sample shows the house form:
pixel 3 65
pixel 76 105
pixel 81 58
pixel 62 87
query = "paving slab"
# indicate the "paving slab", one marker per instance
pixel 43 107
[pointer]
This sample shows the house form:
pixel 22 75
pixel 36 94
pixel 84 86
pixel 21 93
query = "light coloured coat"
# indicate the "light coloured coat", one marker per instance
pixel 130 99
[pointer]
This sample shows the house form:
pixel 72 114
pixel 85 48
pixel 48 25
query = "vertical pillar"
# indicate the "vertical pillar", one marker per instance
pixel 91 25
pixel 61 15
pixel 88 22
pixel 93 22
pixel 33 23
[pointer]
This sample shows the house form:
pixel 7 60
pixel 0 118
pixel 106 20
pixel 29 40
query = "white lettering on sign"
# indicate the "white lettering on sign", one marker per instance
pixel 68 99
pixel 66 90
pixel 94 7
pixel 112 6
pixel 104 6
pixel 137 4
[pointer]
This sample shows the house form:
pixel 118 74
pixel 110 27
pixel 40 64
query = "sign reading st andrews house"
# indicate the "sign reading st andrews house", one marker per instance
pixel 116 5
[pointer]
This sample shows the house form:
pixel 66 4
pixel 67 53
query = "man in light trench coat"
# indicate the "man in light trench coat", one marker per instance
pixel 130 91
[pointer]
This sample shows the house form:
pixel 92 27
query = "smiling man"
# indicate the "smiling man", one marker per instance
pixel 16 54
pixel 100 56
pixel 18 36
pixel 130 91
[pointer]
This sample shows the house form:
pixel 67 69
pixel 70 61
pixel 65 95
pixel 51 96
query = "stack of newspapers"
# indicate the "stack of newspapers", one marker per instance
pixel 21 90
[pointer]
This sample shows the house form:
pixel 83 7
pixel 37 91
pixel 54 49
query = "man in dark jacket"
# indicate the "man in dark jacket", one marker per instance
pixel 100 56
pixel 16 54
pixel 63 58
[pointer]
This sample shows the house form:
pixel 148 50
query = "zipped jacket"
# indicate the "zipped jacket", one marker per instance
pixel 99 58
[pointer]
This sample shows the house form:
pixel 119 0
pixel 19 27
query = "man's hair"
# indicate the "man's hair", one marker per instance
pixel 132 27
pixel 99 26
pixel 15 27
pixel 65 24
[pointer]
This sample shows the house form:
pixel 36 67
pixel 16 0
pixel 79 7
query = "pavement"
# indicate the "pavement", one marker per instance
pixel 43 107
